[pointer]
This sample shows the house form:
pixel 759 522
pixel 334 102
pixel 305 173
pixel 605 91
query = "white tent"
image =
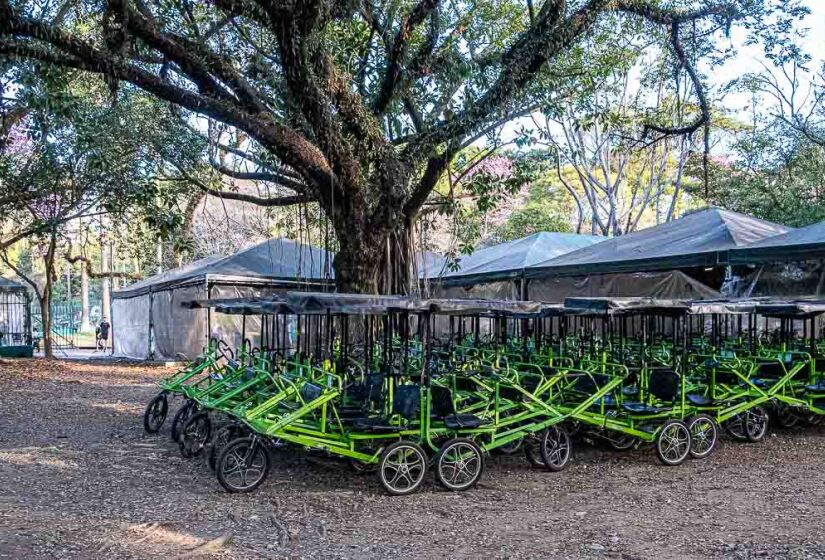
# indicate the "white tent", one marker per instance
pixel 149 320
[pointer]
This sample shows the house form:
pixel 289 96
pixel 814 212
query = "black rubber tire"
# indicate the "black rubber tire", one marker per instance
pixel 195 434
pixel 786 417
pixel 223 435
pixel 735 428
pixel 239 454
pixel 673 443
pixel 556 448
pixel 756 424
pixel 155 414
pixel 181 416
pixel 411 451
pixel 704 435
pixel 621 442
pixel 532 452
pixel 470 456
pixel 510 448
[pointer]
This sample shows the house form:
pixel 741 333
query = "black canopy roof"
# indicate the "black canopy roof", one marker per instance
pixel 795 245
pixel 7 285
pixel 701 238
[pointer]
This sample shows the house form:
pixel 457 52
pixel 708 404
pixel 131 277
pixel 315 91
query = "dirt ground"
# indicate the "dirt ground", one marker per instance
pixel 80 479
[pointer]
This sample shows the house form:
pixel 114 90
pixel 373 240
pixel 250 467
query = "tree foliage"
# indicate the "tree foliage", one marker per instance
pixel 361 106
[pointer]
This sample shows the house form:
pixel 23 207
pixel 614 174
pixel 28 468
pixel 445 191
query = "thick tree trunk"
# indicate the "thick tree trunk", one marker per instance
pixel 373 265
pixel 85 322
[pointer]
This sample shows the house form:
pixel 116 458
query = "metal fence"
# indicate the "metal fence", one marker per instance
pixel 65 324
pixel 15 319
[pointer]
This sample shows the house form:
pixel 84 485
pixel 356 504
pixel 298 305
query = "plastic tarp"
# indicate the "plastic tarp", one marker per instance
pixel 504 289
pixel 626 306
pixel 273 261
pixel 7 285
pixel 796 245
pixel 508 260
pixel 804 279
pixel 672 284
pixel 701 238
pixel 130 327
pixel 178 331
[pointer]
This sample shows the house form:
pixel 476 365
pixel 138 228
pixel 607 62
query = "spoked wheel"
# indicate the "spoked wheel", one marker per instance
pixel 510 448
pixel 459 464
pixel 532 451
pixel 621 442
pixel 402 468
pixel 703 436
pixel 735 427
pixel 673 443
pixel 223 435
pixel 556 448
pixel 786 416
pixel 243 465
pixel 756 424
pixel 194 434
pixel 181 416
pixel 155 414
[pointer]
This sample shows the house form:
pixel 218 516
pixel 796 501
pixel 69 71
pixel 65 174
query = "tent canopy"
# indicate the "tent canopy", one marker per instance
pixel 272 261
pixel 7 286
pixel 701 238
pixel 508 260
pixel 795 245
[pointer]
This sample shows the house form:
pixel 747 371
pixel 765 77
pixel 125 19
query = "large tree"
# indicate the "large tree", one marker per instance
pixel 358 105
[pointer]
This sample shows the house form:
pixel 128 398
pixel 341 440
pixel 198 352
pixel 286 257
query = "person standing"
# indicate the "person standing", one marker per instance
pixel 103 340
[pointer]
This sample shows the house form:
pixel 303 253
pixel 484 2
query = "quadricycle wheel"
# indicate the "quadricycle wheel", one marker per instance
pixel 459 464
pixel 556 448
pixel 703 435
pixel 194 434
pixel 188 409
pixel 243 465
pixel 673 443
pixel 402 468
pixel 155 414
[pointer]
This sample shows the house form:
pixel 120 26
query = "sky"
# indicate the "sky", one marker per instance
pixel 748 60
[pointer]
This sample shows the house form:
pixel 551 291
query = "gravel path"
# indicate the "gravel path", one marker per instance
pixel 79 479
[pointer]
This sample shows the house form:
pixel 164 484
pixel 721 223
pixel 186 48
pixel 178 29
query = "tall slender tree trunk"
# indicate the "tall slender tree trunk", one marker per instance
pixel 45 297
pixel 106 282
pixel 85 322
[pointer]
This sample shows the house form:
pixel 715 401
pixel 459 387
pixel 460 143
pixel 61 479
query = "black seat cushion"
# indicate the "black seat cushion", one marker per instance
pixel 818 387
pixel 609 401
pixel 764 382
pixel 441 401
pixel 456 421
pixel 374 425
pixel 310 392
pixel 630 390
pixel 699 400
pixel 406 401
pixel 664 384
pixel 642 408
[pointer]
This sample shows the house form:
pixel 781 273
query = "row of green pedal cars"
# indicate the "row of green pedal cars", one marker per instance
pixel 404 386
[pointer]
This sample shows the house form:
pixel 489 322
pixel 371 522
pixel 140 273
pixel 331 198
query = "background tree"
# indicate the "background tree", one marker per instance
pixel 358 106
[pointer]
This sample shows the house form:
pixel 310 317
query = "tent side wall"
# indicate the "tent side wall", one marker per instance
pixel 231 328
pixel 130 326
pixel 503 289
pixel 673 284
pixel 803 279
pixel 177 330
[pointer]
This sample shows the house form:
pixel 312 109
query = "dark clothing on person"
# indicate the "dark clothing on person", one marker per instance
pixel 104 330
